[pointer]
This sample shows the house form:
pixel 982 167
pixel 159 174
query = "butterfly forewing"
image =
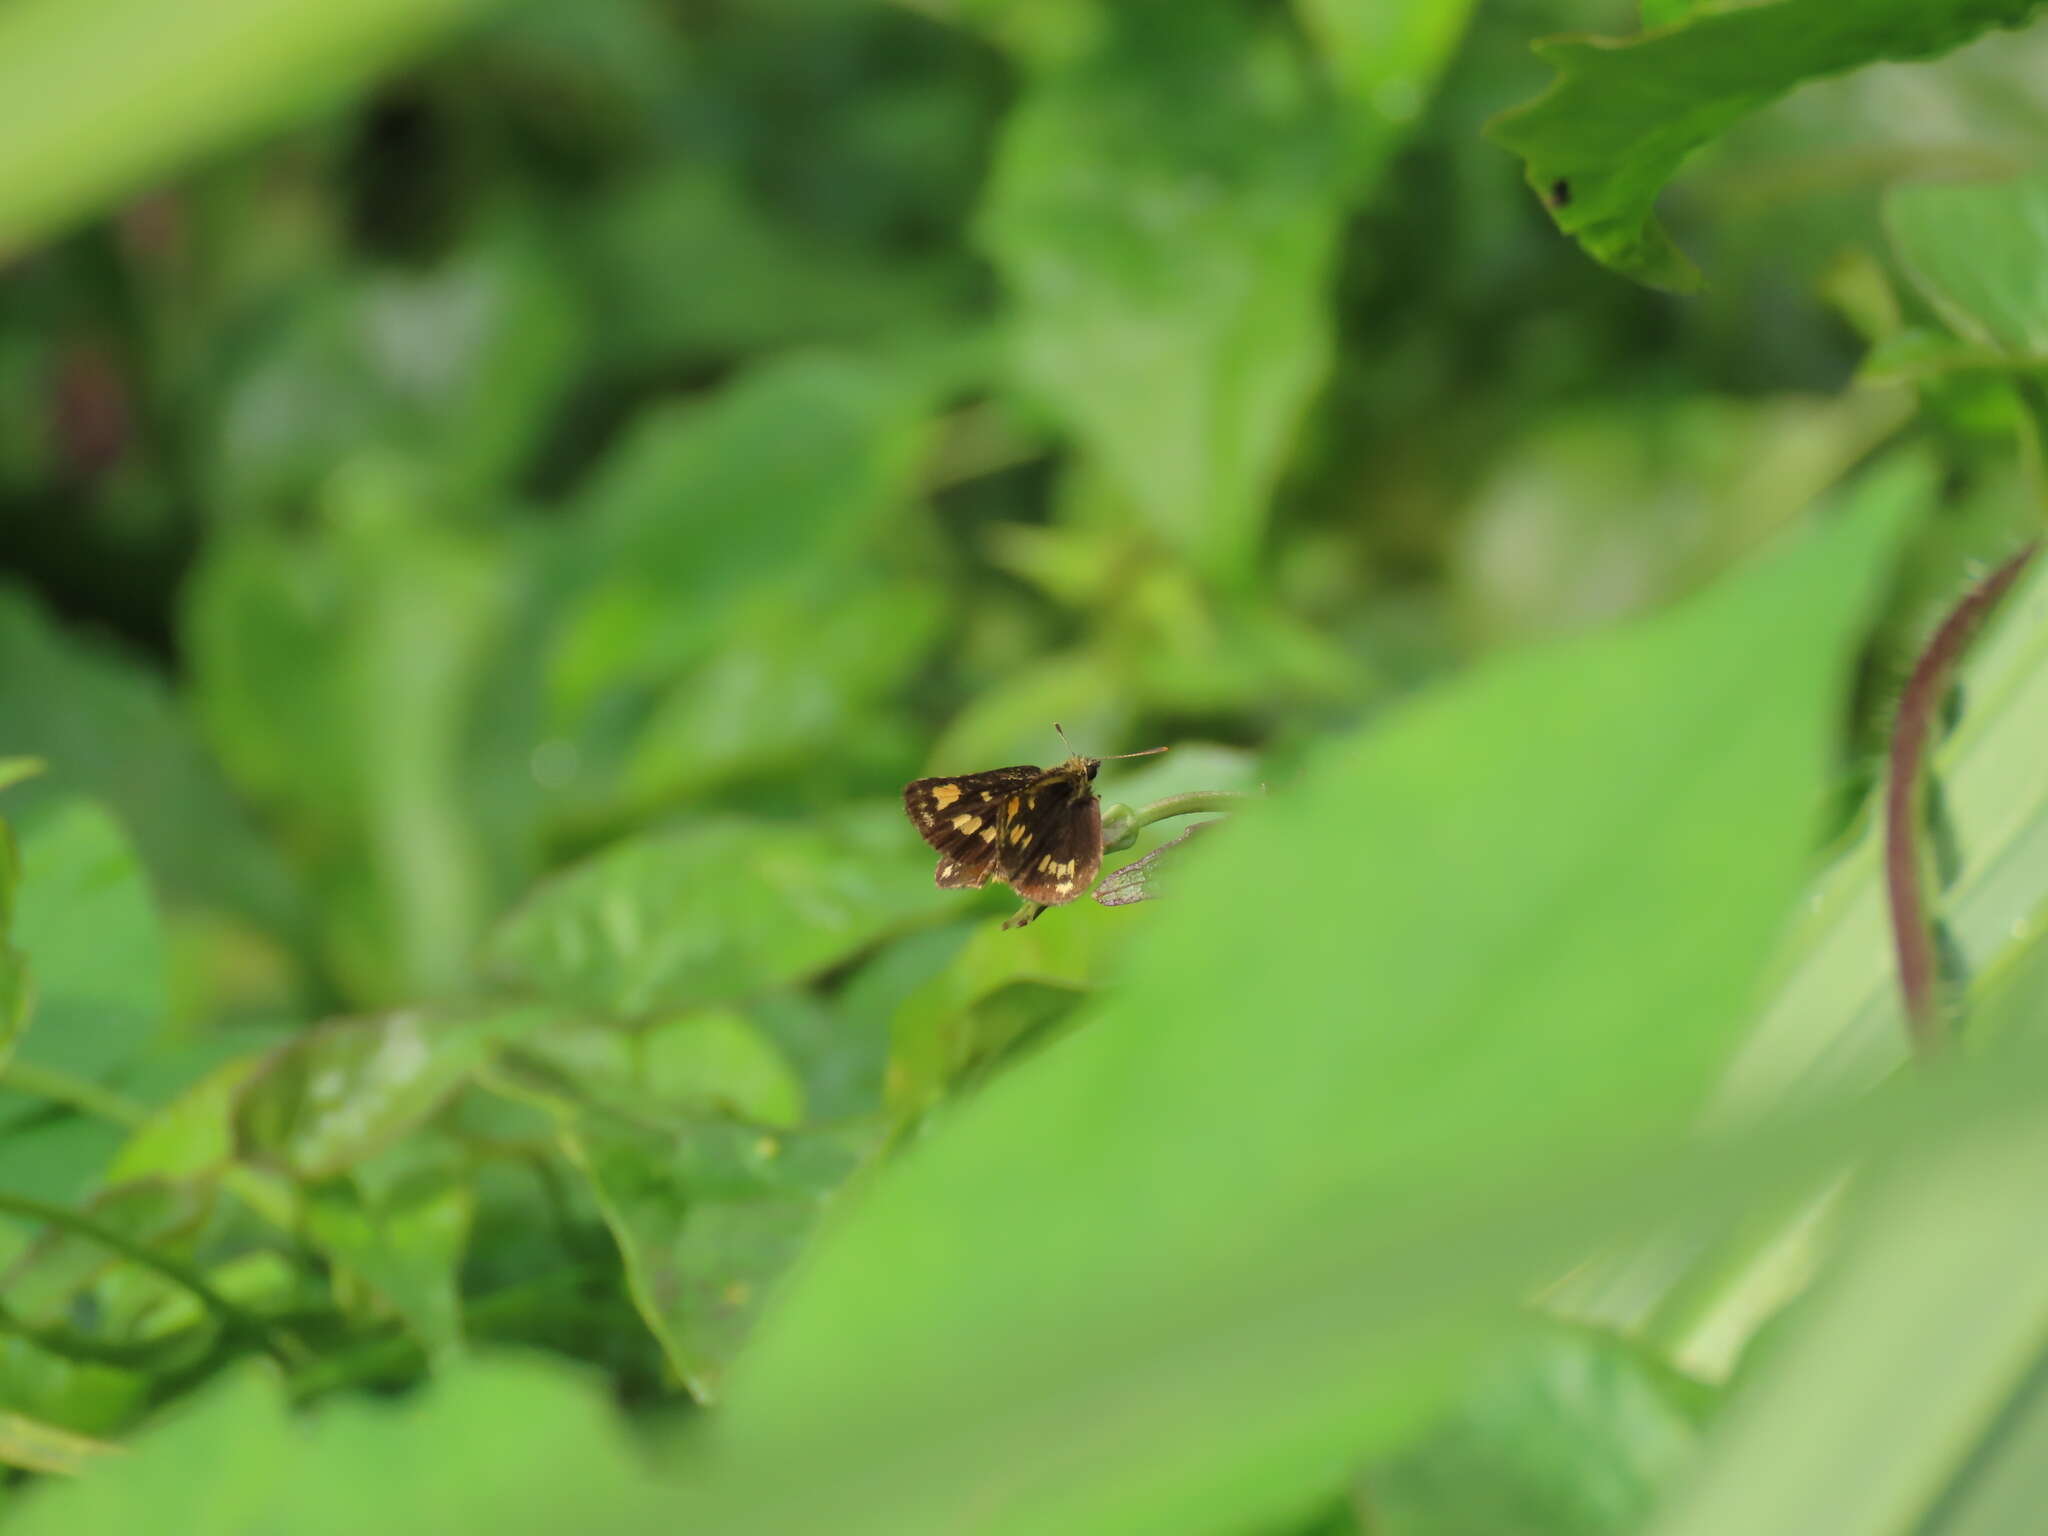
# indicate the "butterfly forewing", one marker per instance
pixel 962 817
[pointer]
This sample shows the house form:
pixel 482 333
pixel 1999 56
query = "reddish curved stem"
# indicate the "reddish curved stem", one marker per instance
pixel 1912 732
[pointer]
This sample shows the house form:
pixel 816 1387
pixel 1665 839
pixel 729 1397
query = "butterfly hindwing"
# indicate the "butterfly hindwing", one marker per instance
pixel 1050 848
pixel 962 817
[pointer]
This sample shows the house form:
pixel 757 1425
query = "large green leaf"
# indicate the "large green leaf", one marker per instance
pixel 1168 266
pixel 1622 116
pixel 715 912
pixel 2001 1488
pixel 1869 1417
pixel 95 102
pixel 1477 964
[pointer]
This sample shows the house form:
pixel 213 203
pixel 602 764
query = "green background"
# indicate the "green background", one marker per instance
pixel 495 501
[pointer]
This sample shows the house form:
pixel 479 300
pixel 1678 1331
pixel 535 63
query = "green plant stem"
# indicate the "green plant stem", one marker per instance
pixel 1195 802
pixel 83 1348
pixel 177 1271
pixel 73 1092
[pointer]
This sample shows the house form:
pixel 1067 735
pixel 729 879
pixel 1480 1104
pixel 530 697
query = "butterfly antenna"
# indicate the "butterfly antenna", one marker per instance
pixel 1148 752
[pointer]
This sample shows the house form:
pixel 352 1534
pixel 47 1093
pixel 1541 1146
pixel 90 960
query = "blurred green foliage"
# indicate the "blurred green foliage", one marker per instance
pixel 496 501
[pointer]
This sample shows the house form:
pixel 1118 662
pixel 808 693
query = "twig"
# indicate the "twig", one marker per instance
pixel 177 1271
pixel 1912 927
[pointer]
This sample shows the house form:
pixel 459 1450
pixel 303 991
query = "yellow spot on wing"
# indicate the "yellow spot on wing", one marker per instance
pixel 966 823
pixel 944 795
pixel 988 834
pixel 1019 832
pixel 1013 805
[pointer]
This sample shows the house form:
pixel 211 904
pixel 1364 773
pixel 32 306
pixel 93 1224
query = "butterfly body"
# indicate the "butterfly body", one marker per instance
pixel 1038 830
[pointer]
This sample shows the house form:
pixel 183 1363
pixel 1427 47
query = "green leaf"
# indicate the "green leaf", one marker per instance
pixel 845 1061
pixel 80 1396
pixel 707 1219
pixel 190 1137
pixel 17 991
pixel 792 692
pixel 16 986
pixel 110 727
pixel 714 1062
pixel 1975 253
pixel 1566 1434
pixel 1948 1268
pixel 704 509
pixel 715 912
pixel 339 675
pixel 1669 13
pixel 346 1090
pixel 1622 116
pixel 44 1284
pixel 95 104
pixel 1914 354
pixel 718 1061
pixel 758 283
pixel 1168 267
pixel 406 1241
pixel 521 1447
pixel 2001 1488
pixel 85 922
pixel 1331 1125
pixel 948 1028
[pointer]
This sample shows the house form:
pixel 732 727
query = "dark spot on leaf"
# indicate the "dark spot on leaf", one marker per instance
pixel 1560 195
